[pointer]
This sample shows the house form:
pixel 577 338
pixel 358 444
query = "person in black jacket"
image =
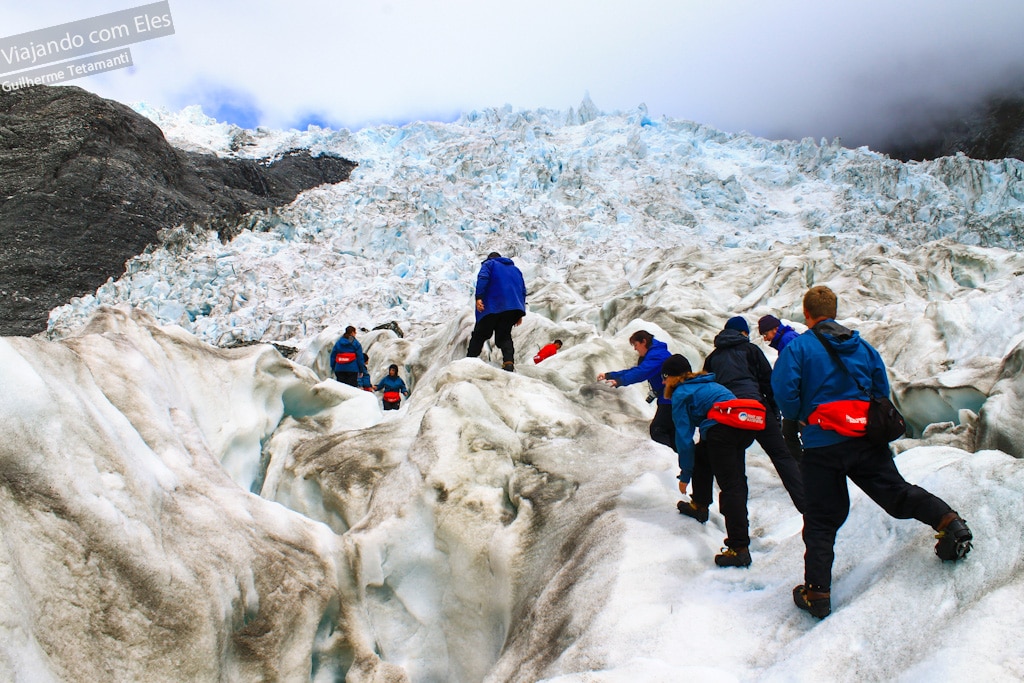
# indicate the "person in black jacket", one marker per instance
pixel 744 370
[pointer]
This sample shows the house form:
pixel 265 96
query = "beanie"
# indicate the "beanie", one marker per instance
pixel 738 323
pixel 768 322
pixel 675 365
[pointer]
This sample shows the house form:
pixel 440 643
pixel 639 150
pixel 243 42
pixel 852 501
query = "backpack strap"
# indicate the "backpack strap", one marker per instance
pixel 839 361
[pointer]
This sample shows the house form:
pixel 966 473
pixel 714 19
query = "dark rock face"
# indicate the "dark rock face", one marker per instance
pixel 992 129
pixel 86 183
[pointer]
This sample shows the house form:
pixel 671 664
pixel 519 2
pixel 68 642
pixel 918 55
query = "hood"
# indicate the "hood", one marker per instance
pixel 843 339
pixel 504 260
pixel 729 338
pixel 657 344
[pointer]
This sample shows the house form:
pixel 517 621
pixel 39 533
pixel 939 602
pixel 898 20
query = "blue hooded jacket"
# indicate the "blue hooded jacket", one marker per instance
pixel 347 345
pixel 805 376
pixel 783 335
pixel 500 286
pixel 691 401
pixel 649 368
pixel 389 383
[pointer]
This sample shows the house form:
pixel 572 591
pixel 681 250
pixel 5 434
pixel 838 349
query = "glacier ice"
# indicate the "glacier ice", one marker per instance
pixel 176 509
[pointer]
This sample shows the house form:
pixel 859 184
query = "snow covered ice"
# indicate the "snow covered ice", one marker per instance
pixel 176 510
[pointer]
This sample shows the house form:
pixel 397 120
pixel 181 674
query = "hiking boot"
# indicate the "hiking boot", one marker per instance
pixel 508 366
pixel 818 604
pixel 686 507
pixel 954 538
pixel 733 557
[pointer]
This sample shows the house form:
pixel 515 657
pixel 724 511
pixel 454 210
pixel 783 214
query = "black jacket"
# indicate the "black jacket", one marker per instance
pixel 741 368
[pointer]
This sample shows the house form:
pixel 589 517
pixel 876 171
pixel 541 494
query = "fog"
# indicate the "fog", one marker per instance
pixel 778 70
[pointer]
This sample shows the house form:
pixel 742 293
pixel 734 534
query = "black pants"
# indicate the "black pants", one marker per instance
pixel 721 454
pixel 349 378
pixel 500 325
pixel 391 405
pixel 791 433
pixel 663 427
pixel 872 469
pixel 774 444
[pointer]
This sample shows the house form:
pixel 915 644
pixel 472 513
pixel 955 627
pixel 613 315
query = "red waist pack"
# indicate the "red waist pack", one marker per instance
pixel 846 418
pixel 344 358
pixel 742 413
pixel 392 396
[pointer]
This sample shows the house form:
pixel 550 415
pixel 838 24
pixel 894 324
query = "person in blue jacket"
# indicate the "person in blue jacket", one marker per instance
pixel 775 333
pixel 392 386
pixel 347 358
pixel 500 306
pixel 364 380
pixel 652 354
pixel 720 454
pixel 778 337
pixel 806 381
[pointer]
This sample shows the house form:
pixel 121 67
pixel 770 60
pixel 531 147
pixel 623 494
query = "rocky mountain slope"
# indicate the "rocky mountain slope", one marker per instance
pixel 990 129
pixel 86 183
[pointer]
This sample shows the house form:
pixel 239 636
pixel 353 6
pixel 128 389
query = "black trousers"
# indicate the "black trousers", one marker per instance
pixel 349 378
pixel 774 444
pixel 663 427
pixel 721 454
pixel 791 433
pixel 500 325
pixel 391 405
pixel 872 469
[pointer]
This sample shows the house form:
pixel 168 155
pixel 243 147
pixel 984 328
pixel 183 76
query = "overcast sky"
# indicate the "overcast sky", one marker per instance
pixel 774 68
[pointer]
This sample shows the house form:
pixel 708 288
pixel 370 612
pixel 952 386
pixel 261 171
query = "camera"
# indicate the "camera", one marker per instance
pixel 651 396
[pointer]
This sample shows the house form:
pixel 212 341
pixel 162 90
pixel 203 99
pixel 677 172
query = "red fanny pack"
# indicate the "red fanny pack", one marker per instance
pixel 344 358
pixel 742 413
pixel 846 418
pixel 392 396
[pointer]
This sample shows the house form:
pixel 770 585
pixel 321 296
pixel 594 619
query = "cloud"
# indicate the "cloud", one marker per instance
pixel 791 68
